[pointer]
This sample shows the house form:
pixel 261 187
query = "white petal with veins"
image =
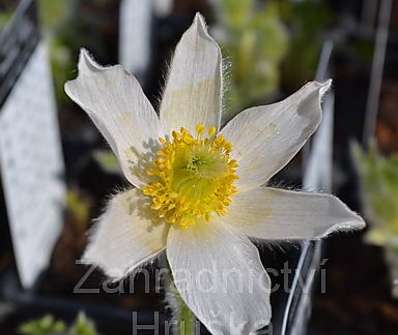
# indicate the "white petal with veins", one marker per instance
pixel 193 91
pixel 125 236
pixel 218 273
pixel 115 102
pixel 270 213
pixel 265 138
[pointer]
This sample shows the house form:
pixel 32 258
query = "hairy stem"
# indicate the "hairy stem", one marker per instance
pixel 183 318
pixel 186 319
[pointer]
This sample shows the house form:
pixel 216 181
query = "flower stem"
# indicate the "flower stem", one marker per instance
pixel 184 319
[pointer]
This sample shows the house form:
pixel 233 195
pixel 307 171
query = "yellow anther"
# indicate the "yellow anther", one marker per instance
pixel 200 128
pixel 212 131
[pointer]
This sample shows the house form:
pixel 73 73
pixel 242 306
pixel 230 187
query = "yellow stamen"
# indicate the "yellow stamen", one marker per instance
pixel 200 128
pixel 193 177
pixel 212 131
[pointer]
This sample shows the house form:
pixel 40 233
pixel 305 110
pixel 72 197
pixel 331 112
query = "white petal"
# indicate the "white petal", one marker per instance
pixel 115 102
pixel 219 275
pixel 125 236
pixel 266 138
pixel 194 87
pixel 270 213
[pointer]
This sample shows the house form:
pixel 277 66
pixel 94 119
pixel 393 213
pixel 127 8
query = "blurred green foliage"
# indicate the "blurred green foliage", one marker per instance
pixel 272 44
pixel 54 16
pixel 308 21
pixel 361 50
pixel 7 9
pixel 79 207
pixel 52 13
pixel 4 18
pixel 379 190
pixel 72 24
pixel 107 161
pixel 254 38
pixel 44 326
pixel 48 325
pixel 83 326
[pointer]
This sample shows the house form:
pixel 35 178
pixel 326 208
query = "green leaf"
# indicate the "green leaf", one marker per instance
pixel 83 326
pixel 255 39
pixel 44 326
pixel 379 190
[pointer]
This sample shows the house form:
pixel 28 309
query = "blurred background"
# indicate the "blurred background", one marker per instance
pixel 56 170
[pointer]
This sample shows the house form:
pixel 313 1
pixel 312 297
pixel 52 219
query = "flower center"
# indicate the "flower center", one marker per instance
pixel 193 177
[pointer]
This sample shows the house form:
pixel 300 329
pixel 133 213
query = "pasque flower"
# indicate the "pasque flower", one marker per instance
pixel 200 191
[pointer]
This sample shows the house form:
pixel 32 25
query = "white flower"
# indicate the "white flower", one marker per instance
pixel 200 191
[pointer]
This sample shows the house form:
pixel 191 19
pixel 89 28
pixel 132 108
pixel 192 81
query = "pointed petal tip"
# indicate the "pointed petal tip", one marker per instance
pixel 325 86
pixel 87 64
pixel 84 53
pixel 199 19
pixel 328 82
pixel 84 58
pixel 352 221
pixel 67 87
pixel 319 89
pixel 199 23
pixel 321 86
pixel 198 16
pixel 357 223
pixel 353 225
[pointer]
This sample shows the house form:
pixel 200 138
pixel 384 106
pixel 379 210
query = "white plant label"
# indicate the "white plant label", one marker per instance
pixel 134 31
pixel 31 167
